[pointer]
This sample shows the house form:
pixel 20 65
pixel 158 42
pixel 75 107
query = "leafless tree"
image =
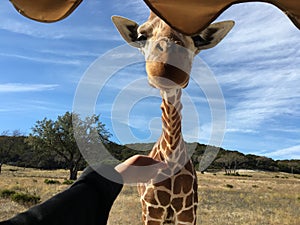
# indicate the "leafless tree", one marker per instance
pixel 231 161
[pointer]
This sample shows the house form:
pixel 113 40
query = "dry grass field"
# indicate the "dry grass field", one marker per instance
pixel 262 198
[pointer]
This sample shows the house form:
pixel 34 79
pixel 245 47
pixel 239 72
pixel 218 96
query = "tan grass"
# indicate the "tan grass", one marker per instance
pixel 263 199
pixel 9 208
pixel 30 181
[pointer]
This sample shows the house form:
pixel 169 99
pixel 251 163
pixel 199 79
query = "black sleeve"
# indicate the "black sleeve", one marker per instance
pixel 87 202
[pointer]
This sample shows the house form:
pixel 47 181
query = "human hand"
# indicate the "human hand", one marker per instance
pixel 139 168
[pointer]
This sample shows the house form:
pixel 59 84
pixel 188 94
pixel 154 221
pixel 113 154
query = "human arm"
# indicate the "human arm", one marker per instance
pixel 89 200
pixel 139 168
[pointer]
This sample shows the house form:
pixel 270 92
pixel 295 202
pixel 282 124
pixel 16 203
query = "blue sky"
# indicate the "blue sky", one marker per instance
pixel 256 67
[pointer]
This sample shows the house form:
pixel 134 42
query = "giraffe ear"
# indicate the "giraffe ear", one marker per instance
pixel 212 35
pixel 127 28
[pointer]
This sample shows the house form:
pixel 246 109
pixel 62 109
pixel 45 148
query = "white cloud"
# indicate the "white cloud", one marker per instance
pixel 42 59
pixel 257 66
pixel 32 107
pixel 59 31
pixel 262 35
pixel 292 152
pixel 246 131
pixel 19 87
pixel 287 130
pixel 257 100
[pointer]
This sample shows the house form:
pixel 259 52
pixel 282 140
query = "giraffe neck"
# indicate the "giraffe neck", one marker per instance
pixel 171 140
pixel 171 197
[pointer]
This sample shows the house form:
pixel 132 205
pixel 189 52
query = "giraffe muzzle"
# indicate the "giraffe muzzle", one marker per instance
pixel 168 64
pixel 166 76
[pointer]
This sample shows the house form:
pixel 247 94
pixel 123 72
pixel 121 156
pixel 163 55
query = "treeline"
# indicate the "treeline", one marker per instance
pixel 230 161
pixel 14 150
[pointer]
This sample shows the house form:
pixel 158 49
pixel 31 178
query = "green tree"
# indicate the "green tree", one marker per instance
pixel 56 138
pixel 11 146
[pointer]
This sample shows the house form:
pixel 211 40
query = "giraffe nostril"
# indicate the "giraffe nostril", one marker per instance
pixel 162 45
pixel 159 47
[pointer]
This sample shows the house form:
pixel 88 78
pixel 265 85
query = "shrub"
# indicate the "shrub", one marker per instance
pixel 26 199
pixel 7 193
pixel 229 185
pixel 68 182
pixel 21 198
pixel 237 174
pixel 46 181
pixel 246 175
pixel 254 186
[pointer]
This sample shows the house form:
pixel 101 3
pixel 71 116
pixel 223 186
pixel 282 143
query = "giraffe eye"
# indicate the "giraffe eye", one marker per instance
pixel 141 39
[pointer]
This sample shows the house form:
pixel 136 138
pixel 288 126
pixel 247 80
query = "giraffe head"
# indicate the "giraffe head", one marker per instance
pixel 168 53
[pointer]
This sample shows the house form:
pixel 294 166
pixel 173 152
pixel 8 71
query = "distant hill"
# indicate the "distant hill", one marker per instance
pixel 15 151
pixel 229 161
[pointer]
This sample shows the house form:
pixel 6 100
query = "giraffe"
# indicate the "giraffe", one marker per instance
pixel 171 197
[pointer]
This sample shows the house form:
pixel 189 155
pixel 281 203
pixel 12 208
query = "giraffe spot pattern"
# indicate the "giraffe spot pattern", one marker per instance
pixel 189 200
pixel 153 223
pixel 150 197
pixel 156 213
pixel 195 188
pixel 184 183
pixel 177 204
pixel 162 180
pixel 186 215
pixel 170 215
pixel 163 144
pixel 189 167
pixel 171 99
pixel 173 200
pixel 163 197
